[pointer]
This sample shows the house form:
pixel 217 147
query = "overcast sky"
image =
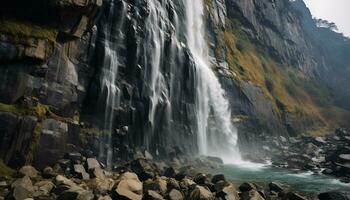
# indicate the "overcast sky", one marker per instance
pixel 337 11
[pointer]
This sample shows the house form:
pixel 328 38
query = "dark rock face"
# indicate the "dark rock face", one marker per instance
pixel 278 27
pixel 52 80
pixel 17 136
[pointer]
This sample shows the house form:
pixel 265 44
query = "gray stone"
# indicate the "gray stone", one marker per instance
pixel 43 188
pixel 251 195
pixel 80 170
pixel 129 187
pixel 152 195
pixel 22 188
pixel 29 171
pixel 275 187
pixel 92 163
pixel 175 195
pixel 104 198
pixel 245 187
pixel 217 178
pixel 200 192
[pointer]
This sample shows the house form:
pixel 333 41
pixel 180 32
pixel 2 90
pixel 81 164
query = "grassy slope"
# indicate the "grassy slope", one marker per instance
pixel 289 89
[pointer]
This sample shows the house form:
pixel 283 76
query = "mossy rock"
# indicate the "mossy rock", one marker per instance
pixel 19 28
pixel 34 143
pixel 12 108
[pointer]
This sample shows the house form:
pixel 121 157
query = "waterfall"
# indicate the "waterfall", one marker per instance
pixel 156 84
pixel 180 96
pixel 219 137
pixel 109 86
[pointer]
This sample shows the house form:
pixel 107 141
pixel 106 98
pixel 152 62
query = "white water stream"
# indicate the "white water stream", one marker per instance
pixel 216 134
pixel 211 103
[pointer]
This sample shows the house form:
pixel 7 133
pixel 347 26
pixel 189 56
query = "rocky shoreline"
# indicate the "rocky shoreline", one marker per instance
pixel 329 155
pixel 78 177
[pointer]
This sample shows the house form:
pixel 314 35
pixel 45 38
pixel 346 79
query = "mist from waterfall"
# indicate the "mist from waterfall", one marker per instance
pixel 216 134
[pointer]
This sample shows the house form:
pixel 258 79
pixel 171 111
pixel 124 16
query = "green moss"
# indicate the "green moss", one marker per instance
pixel 92 131
pixel 18 28
pixel 5 170
pixel 34 142
pixel 12 108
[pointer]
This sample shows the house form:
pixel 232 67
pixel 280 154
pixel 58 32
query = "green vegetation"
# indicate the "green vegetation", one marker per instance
pixel 12 108
pixel 40 111
pixel 18 28
pixel 289 89
pixel 34 142
pixel 5 170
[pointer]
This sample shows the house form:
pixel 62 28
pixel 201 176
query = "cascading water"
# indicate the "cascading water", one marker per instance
pixel 155 36
pixel 180 96
pixel 109 88
pixel 218 138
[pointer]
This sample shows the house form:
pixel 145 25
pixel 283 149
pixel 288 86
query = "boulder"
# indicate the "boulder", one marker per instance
pixel 228 192
pixel 80 171
pixel 159 184
pixel 48 172
pixel 335 195
pixel 251 195
pixel 201 179
pixel 172 184
pixel 220 185
pixel 142 168
pixel 29 171
pixel 104 198
pixel 43 188
pixel 148 155
pixel 61 180
pixel 344 158
pixel 276 187
pixel 175 195
pixel 92 164
pixel 102 185
pixel 200 192
pixel 21 189
pixel 186 183
pixel 98 173
pixel 74 157
pixel 170 172
pixel 152 195
pixel 129 187
pixel 76 193
pixel 66 189
pixel 246 187
pixel 217 178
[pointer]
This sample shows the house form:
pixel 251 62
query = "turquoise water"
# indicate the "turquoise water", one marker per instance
pixel 306 182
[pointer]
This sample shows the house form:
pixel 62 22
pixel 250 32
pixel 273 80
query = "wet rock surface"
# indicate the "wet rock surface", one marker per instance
pixel 328 155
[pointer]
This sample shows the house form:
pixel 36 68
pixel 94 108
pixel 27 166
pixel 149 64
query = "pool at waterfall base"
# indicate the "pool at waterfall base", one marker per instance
pixel 307 182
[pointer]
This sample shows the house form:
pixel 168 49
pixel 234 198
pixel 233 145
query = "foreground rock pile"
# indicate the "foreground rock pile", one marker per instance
pixel 330 155
pixel 85 179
